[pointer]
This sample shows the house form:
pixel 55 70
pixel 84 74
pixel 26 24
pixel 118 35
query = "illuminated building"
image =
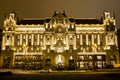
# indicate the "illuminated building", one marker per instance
pixel 59 42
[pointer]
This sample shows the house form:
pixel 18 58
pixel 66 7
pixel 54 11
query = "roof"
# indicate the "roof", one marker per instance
pixel 88 21
pixel 31 21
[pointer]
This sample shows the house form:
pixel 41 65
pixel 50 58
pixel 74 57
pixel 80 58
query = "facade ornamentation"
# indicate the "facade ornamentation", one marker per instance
pixel 59 42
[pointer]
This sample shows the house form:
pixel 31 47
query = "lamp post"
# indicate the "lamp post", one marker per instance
pixel 94 51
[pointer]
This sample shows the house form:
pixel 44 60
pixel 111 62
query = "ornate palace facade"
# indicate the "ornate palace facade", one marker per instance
pixel 59 42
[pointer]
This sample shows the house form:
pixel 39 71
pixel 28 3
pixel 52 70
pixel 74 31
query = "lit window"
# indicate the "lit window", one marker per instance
pixel 81 64
pixel 29 36
pixel 99 64
pixel 77 36
pixel 99 57
pixel 35 43
pixel 41 43
pixel 90 57
pixel 18 43
pixel 41 36
pixel 95 36
pixel 70 36
pixel 8 42
pixel 71 57
pixel 35 36
pixel 18 36
pixel 59 50
pixel 23 36
pixel 37 49
pixel 82 57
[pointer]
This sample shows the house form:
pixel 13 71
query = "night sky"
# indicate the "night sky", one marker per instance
pixel 46 8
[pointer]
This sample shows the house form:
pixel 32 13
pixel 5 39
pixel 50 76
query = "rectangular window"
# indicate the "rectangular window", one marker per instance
pixel 18 36
pixel 24 36
pixel 35 43
pixel 18 43
pixel 35 36
pixel 99 57
pixel 29 36
pixel 78 37
pixel 41 36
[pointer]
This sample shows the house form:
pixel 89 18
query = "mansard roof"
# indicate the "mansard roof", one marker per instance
pixel 77 21
pixel 31 21
pixel 88 21
pixel 60 15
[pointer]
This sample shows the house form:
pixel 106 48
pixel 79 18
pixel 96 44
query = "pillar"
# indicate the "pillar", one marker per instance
pixel 92 39
pixel 98 39
pixel 32 39
pixel 81 39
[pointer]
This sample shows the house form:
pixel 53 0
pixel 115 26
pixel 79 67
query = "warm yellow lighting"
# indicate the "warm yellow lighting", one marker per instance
pixel 60 59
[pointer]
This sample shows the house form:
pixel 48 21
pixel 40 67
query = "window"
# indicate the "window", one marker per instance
pixel 77 36
pixel 90 57
pixel 81 64
pixel 71 58
pixel 59 49
pixel 35 36
pixel 70 37
pixel 23 36
pixel 29 37
pixel 99 57
pixel 40 42
pixel 95 36
pixel 18 43
pixel 8 41
pixel 81 57
pixel 18 36
pixel 99 64
pixel 35 43
pixel 41 36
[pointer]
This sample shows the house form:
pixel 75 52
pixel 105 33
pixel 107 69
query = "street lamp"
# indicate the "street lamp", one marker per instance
pixel 94 49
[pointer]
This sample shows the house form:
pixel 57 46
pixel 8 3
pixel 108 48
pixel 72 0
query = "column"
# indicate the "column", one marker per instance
pixel 32 39
pixel 86 39
pixel 26 39
pixel 98 39
pixel 116 40
pixel 74 42
pixel 52 42
pixel 67 47
pixel 12 40
pixel 46 25
pixel 44 41
pixel 92 39
pixel 20 39
pixel 55 40
pixel 106 39
pixel 81 39
pixel 50 26
pixel 38 39
pixel 64 40
pixel 72 25
pixel 3 42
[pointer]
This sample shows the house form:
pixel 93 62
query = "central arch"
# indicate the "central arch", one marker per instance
pixel 60 62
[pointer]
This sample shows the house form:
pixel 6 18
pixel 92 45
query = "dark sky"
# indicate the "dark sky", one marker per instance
pixel 73 8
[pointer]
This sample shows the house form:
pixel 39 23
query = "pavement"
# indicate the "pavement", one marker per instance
pixel 19 71
pixel 13 74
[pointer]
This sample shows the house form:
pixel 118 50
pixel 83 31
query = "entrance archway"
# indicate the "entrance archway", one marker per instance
pixel 60 62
